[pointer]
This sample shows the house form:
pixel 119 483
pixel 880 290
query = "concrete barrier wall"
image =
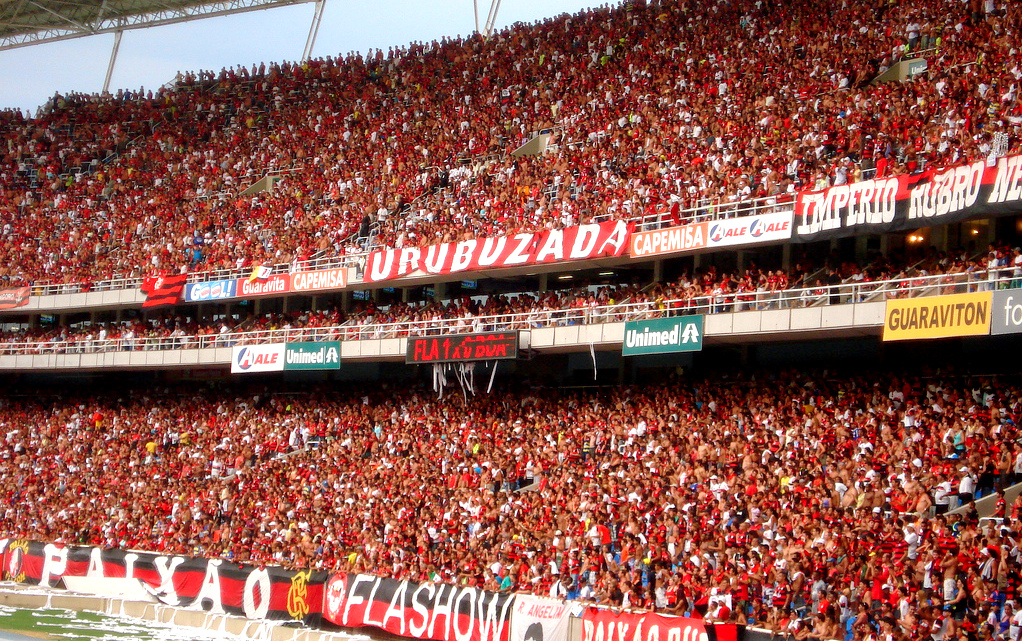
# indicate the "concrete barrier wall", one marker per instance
pixel 31 598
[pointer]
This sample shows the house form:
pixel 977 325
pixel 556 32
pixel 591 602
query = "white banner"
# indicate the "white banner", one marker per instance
pixel 246 359
pixel 749 230
pixel 536 618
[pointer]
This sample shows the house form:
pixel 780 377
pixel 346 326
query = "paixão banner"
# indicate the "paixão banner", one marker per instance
pixel 731 232
pixel 215 586
pixel 324 355
pixel 418 610
pixel 14 297
pixel 899 203
pixel 250 359
pixel 663 336
pixel 608 625
pixel 574 243
pixel 938 316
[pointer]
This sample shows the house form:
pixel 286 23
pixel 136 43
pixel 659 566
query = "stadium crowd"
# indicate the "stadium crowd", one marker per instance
pixel 653 107
pixel 813 499
pixel 710 290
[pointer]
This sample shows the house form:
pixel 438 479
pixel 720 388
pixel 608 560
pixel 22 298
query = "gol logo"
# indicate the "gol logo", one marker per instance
pixel 298 595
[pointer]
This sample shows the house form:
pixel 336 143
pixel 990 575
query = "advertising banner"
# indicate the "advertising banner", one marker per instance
pixel 536 618
pixel 574 243
pixel 899 203
pixel 434 611
pixel 276 284
pixel 452 348
pixel 1006 312
pixel 317 280
pixel 731 232
pixel 324 355
pixel 14 297
pixel 213 585
pixel 249 359
pixel 938 316
pixel 608 625
pixel 213 290
pixel 663 336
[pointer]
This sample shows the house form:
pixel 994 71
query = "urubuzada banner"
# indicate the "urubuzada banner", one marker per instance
pixel 608 625
pixel 899 203
pixel 536 618
pixel 574 243
pixel 434 611
pixel 213 585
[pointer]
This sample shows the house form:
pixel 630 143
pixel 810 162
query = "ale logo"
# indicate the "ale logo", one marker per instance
pixel 298 595
pixel 756 228
pixel 716 233
pixel 245 358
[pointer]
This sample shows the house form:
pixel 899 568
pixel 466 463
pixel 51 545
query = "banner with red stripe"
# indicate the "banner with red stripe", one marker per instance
pixel 163 290
pixel 214 585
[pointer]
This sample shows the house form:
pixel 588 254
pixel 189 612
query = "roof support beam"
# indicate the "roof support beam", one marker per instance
pixel 491 18
pixel 113 61
pixel 317 18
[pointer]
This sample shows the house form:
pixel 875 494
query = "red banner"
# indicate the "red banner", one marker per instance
pixel 276 284
pixel 12 298
pixel 321 279
pixel 434 611
pixel 608 625
pixel 584 242
pixel 161 291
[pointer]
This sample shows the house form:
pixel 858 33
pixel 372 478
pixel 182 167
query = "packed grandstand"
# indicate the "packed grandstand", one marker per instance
pixel 764 482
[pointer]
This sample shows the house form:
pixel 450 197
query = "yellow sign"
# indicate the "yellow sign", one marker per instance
pixel 938 317
pixel 298 594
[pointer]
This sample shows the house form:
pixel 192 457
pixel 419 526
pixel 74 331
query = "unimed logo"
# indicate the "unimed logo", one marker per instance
pixel 663 335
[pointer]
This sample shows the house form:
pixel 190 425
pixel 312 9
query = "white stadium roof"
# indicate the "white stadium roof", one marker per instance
pixel 28 22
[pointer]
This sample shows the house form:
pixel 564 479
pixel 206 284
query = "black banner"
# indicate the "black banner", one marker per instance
pixel 216 586
pixel 458 348
pixel 418 610
pixel 901 203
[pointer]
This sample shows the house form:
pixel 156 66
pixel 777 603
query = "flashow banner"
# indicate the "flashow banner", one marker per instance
pixel 900 203
pixel 434 611
pixel 215 586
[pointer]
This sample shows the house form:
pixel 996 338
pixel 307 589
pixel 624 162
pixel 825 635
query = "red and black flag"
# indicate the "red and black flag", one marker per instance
pixel 163 290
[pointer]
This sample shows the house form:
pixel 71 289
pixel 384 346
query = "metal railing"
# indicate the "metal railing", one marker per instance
pixel 705 211
pixel 761 300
